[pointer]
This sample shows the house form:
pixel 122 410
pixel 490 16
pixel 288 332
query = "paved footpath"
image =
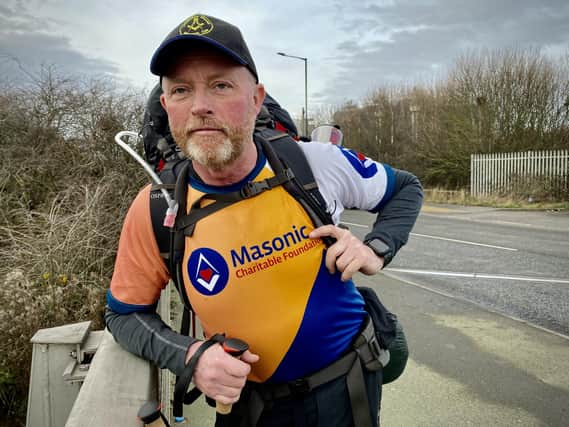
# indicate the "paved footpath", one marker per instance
pixel 556 220
pixel 472 367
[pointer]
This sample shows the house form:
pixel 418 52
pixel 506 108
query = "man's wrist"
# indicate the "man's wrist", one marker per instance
pixel 192 349
pixel 380 248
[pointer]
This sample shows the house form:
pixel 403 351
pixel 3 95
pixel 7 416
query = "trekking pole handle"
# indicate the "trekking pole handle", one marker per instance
pixel 235 347
pixel 150 414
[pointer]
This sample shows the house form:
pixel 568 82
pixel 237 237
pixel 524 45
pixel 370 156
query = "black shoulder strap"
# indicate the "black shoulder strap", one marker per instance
pixel 289 151
pixel 285 153
pixel 158 205
pixel 165 238
pixel 177 238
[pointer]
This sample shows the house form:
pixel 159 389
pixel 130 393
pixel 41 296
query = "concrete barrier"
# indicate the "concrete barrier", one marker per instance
pixel 118 384
pixel 83 378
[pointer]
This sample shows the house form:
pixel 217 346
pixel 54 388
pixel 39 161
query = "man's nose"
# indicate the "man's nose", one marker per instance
pixel 201 104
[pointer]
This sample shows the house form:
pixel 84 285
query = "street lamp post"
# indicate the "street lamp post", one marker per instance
pixel 305 88
pixel 414 109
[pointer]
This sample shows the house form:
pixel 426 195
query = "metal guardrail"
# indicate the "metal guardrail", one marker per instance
pixel 495 173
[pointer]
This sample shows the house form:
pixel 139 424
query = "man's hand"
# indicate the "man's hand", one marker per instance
pixel 220 375
pixel 349 255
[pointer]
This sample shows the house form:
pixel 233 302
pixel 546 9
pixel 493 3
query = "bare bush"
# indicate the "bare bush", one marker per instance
pixel 517 97
pixel 534 189
pixel 64 190
pixel 57 267
pixel 491 101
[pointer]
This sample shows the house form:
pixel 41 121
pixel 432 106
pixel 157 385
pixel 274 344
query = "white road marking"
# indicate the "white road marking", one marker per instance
pixel 513 223
pixel 442 238
pixel 355 225
pixel 446 294
pixel 478 275
pixel 464 242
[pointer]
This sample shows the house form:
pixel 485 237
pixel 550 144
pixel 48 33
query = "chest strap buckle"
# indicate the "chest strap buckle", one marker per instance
pixel 251 189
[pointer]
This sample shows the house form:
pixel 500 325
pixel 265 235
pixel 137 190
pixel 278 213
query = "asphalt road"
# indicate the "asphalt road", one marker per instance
pixel 513 262
pixel 469 366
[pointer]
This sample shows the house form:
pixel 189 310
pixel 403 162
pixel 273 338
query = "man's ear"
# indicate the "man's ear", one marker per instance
pixel 164 87
pixel 259 96
pixel 163 102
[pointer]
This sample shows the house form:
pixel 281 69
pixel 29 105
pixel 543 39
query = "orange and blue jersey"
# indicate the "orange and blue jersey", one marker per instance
pixel 251 271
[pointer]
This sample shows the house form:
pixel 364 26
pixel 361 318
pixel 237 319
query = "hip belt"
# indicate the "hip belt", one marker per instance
pixel 365 351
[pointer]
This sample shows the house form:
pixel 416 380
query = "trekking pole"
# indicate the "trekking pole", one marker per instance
pixel 236 348
pixel 151 415
pixel 172 204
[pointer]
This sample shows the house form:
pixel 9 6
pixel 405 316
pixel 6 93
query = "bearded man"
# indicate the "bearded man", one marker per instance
pixel 302 314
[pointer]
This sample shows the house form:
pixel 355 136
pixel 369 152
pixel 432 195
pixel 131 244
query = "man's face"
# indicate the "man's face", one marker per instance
pixel 212 103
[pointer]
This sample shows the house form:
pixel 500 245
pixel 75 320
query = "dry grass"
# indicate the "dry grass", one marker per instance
pixel 57 267
pixel 463 197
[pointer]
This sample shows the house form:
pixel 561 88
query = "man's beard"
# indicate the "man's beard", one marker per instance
pixel 212 151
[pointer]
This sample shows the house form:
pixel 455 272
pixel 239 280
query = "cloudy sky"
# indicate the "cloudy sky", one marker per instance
pixel 352 46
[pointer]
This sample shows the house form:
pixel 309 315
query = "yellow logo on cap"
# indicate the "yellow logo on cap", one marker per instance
pixel 197 24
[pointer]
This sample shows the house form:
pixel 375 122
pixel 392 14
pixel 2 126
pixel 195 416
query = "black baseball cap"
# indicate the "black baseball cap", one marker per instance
pixel 225 37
